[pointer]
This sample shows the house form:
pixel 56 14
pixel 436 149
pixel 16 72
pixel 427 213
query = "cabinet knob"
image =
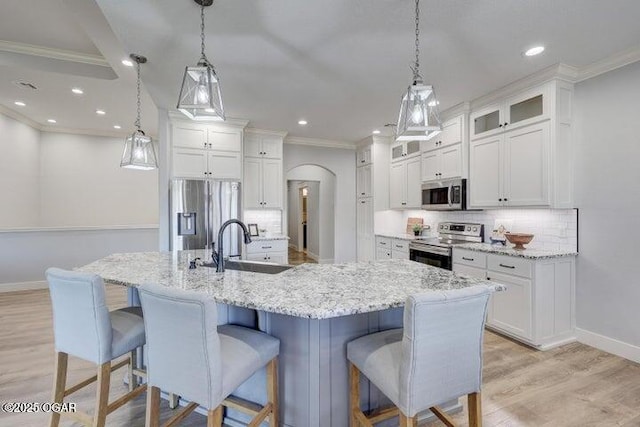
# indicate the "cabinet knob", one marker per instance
pixel 506 200
pixel 404 203
pixel 499 200
pixel 505 123
pixel 500 125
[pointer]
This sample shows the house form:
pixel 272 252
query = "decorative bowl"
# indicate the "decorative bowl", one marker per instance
pixel 519 239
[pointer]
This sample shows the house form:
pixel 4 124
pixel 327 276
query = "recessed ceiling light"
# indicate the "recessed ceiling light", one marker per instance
pixel 20 103
pixel 537 50
pixel 100 112
pixel 52 121
pixel 77 91
pixel 302 122
pixel 376 132
pixel 127 62
pixel 116 126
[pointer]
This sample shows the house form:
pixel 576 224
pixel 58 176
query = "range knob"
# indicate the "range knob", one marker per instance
pixel 441 226
pixel 475 228
pixel 468 228
pixel 446 227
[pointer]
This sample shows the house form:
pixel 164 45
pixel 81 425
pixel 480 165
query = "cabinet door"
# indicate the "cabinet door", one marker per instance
pixel 451 161
pixel 430 166
pixel 478 273
pixel 272 186
pixel 363 156
pixel 188 136
pixel 225 165
pixel 527 107
pixel 511 309
pixel 252 145
pixel 272 147
pixel 414 183
pixel 364 213
pixel 258 256
pixel 399 254
pixel 220 140
pixel 397 151
pixel 189 163
pixel 486 122
pixel 382 253
pixel 485 172
pixel 278 257
pixel 451 134
pixel 398 185
pixel 252 186
pixel 526 178
pixel 363 181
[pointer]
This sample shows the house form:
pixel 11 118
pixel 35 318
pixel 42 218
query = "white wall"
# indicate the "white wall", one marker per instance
pixel 82 183
pixel 19 173
pixel 321 209
pixel 293 210
pixel 607 191
pixel 340 162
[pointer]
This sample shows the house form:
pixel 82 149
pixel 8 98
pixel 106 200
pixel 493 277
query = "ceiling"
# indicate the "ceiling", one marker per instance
pixel 340 65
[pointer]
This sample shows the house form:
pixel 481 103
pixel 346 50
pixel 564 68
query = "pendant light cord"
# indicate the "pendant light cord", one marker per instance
pixel 137 123
pixel 204 57
pixel 416 67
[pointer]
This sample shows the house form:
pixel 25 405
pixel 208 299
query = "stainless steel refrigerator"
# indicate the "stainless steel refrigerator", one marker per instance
pixel 199 208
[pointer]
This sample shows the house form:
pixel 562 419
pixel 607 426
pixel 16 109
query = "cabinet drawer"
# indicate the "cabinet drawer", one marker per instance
pixel 400 245
pixel 383 253
pixel 383 242
pixel 470 258
pixel 510 265
pixel 267 246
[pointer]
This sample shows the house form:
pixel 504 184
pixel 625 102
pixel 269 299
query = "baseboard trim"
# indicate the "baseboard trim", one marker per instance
pixel 610 345
pixel 325 261
pixel 294 247
pixel 22 286
pixel 313 256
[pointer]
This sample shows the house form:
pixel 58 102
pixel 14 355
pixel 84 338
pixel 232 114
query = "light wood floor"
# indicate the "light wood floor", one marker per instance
pixel 296 258
pixel 574 385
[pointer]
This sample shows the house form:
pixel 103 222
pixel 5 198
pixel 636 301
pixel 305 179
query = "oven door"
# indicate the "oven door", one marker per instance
pixel 434 256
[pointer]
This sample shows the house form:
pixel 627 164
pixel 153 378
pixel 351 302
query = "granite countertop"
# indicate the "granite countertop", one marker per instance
pixel 403 236
pixel 316 291
pixel 509 251
pixel 266 238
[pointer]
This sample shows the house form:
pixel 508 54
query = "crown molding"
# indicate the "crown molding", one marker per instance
pixel 47 52
pixel 318 142
pixel 279 133
pixel 176 116
pixel 456 110
pixel 610 63
pixel 19 117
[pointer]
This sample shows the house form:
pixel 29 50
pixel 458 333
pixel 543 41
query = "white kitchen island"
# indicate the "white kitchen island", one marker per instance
pixel 314 309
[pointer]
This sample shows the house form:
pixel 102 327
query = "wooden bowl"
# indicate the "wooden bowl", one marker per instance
pixel 519 239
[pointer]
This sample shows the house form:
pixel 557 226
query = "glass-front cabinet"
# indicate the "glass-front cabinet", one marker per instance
pixel 486 121
pixel 404 150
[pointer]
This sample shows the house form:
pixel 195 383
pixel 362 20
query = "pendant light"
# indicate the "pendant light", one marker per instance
pixel 139 152
pixel 200 96
pixel 419 119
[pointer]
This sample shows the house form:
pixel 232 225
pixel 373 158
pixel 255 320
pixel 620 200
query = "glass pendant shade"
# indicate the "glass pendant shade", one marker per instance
pixel 419 119
pixel 200 96
pixel 139 152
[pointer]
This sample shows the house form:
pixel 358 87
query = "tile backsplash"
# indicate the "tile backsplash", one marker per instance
pixel 555 229
pixel 271 220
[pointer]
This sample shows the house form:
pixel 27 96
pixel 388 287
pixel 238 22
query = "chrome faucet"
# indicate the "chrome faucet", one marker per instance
pixel 220 255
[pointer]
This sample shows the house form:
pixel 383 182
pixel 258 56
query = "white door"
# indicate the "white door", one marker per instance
pixel 272 185
pixel 383 253
pixel 252 186
pixel 526 168
pixel 451 161
pixel 252 145
pixel 430 165
pixel 397 185
pixel 485 172
pixel 511 309
pixel 189 163
pixel 225 140
pixel 272 147
pixel 188 136
pixel 225 165
pixel 414 183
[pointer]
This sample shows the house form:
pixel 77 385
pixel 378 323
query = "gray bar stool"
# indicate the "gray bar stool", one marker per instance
pixel 190 355
pixel 435 358
pixel 84 327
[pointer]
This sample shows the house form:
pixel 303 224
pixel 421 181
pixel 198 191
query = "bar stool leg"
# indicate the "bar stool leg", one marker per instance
pixel 354 395
pixel 132 365
pixel 59 384
pixel 214 417
pixel 474 401
pixel 272 391
pixel 102 394
pixel 152 418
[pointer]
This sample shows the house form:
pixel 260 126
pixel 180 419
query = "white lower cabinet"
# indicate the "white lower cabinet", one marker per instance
pixel 538 305
pixel 268 251
pixel 390 248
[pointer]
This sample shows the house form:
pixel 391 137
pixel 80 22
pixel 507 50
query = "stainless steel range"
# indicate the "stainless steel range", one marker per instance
pixel 437 251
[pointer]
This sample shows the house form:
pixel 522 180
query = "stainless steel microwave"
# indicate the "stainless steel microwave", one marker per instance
pixel 445 195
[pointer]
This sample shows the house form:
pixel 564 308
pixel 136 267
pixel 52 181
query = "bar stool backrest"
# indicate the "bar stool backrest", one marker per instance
pixel 442 347
pixel 81 322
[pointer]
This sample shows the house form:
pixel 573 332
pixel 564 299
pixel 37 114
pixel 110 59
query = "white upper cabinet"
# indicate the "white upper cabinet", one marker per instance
pixel 252 188
pixel 451 134
pixel 405 184
pixel 206 151
pixel 414 183
pixel 363 155
pixel 263 174
pixel 363 181
pixel 521 150
pixel 444 163
pixel 397 185
pixel 404 149
pixel 263 145
pixel 272 185
pixel 252 145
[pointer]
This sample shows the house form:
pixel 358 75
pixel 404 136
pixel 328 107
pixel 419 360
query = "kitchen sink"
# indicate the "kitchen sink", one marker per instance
pixel 256 267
